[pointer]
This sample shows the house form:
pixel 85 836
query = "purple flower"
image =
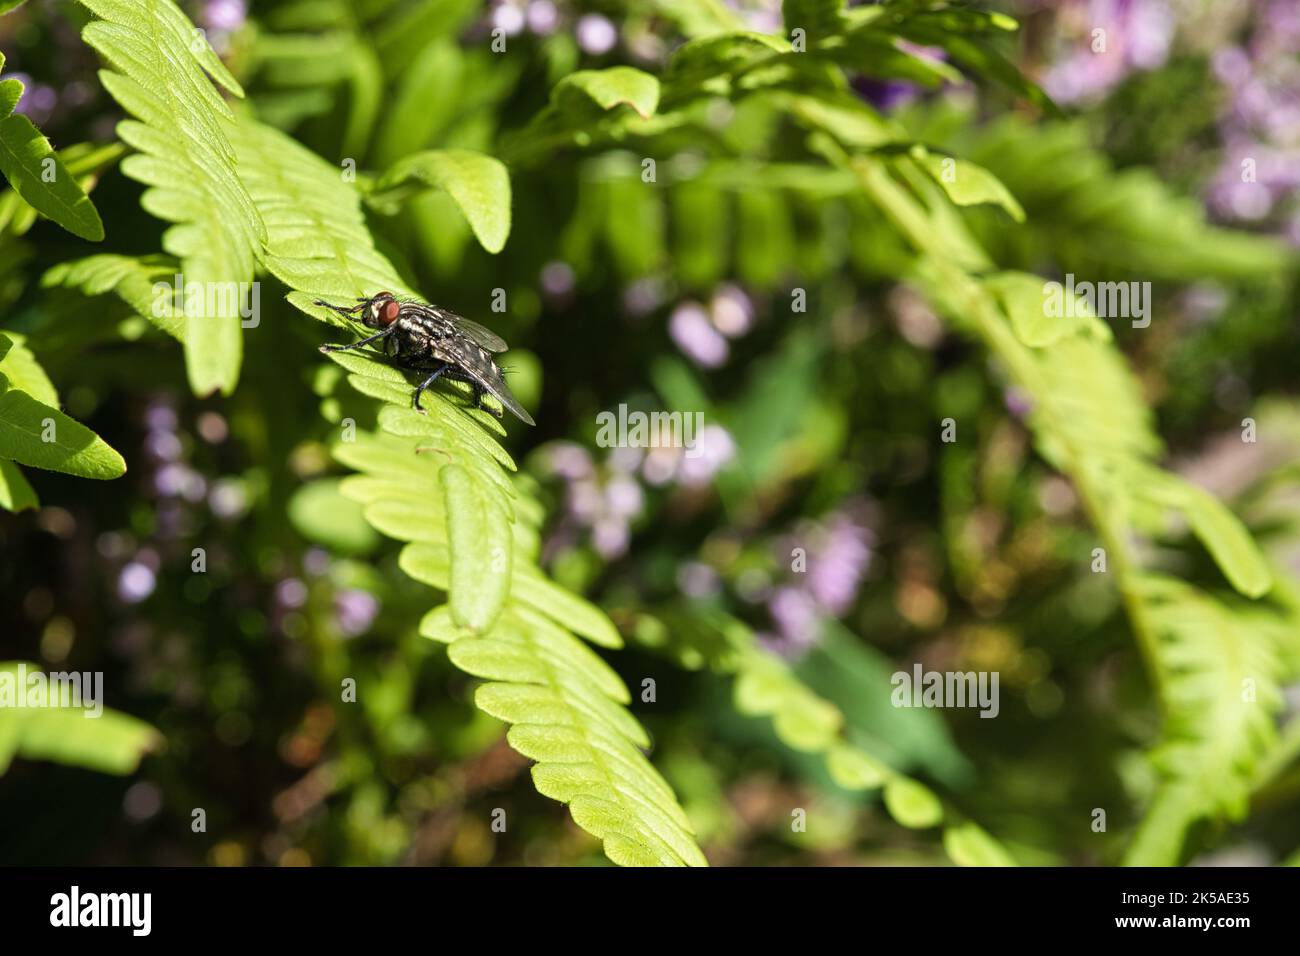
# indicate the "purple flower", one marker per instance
pixel 761 16
pixel 557 279
pixel 694 334
pixel 38 102
pixel 225 15
pixel 836 570
pixel 597 35
pixel 291 593
pixel 1019 402
pixel 569 460
pixel 1260 171
pixel 838 554
pixel 609 536
pixel 1108 39
pixel 161 417
pixel 624 459
pixel 713 449
pixel 316 561
pixel 164 446
pixel 732 311
pixel 796 616
pixel 136 582
pixel 624 497
pixel 508 18
pixel 885 95
pixel 355 611
pixel 1231 66
pixel 543 18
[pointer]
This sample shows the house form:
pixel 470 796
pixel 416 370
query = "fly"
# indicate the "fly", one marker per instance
pixel 435 342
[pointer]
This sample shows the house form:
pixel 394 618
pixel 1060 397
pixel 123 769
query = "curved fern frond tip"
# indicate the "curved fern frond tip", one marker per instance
pixel 440 482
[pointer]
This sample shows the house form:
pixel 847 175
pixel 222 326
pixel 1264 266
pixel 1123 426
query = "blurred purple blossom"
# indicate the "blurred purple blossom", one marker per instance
pixel 885 95
pixel 224 16
pixel 762 16
pixel 714 448
pixel 160 416
pixel 316 561
pixel 609 536
pixel 1018 401
pixel 1106 40
pixel 624 497
pixel 604 499
pixel 1260 170
pixel 796 615
pixel 557 279
pixel 839 564
pixel 695 335
pixel 732 310
pixel 837 554
pixel 508 17
pixel 164 446
pixel 291 593
pixel 355 610
pixel 38 99
pixel 569 460
pixel 543 18
pixel 136 582
pixel 596 35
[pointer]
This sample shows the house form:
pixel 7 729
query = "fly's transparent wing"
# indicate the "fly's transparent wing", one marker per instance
pixel 481 335
pixel 477 365
pixel 478 334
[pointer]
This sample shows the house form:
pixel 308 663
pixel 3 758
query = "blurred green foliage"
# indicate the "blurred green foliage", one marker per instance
pixel 710 213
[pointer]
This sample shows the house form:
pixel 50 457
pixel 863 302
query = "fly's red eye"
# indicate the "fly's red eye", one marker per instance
pixel 388 312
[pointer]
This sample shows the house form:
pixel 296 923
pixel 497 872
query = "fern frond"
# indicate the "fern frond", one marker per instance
pixel 1222 685
pixel 1090 421
pixel 163 73
pixel 1085 214
pixel 439 481
pixel 765 686
pixel 131 279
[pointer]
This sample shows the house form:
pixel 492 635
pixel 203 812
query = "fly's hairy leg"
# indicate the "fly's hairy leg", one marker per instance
pixel 340 309
pixel 356 345
pixel 460 375
pixel 419 389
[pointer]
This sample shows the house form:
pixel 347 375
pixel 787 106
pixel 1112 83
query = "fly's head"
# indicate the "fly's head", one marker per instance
pixel 380 310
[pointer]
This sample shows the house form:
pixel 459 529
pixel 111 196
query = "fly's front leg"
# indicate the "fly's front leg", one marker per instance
pixel 419 389
pixel 356 345
pixel 340 309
